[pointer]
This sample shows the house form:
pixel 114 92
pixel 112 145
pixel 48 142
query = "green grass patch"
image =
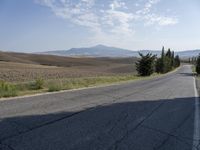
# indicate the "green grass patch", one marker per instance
pixel 193 69
pixel 40 85
pixel 54 86
pixel 7 89
pixel 37 84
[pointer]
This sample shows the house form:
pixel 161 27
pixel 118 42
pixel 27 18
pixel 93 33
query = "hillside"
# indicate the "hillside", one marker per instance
pixel 96 51
pixel 53 60
pixel 105 51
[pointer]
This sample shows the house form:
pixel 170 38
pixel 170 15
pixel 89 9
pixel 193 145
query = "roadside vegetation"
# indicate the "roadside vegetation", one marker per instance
pixel 198 65
pixel 40 85
pixel 149 64
pixel 7 89
pixel 111 71
pixel 195 61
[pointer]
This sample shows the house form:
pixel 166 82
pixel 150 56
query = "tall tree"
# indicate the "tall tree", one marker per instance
pixel 168 54
pixel 145 66
pixel 177 61
pixel 172 59
pixel 167 61
pixel 163 52
pixel 198 65
pixel 160 63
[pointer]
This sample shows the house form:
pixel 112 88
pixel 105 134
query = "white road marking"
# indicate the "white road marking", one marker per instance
pixel 196 135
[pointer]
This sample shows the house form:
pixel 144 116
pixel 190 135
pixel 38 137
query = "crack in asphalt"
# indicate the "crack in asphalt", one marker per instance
pixel 117 142
pixel 171 135
pixel 42 125
pixel 56 120
pixel 180 138
pixel 2 146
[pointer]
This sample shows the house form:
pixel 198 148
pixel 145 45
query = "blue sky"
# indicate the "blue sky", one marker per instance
pixel 43 25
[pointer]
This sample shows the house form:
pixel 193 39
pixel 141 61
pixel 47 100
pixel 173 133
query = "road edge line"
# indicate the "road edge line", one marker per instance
pixel 196 134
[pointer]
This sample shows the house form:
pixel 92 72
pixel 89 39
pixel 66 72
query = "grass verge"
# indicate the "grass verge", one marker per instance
pixel 41 86
pixel 7 89
pixel 193 69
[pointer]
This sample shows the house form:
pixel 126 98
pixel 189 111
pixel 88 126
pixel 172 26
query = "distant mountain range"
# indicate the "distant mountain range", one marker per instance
pixel 105 51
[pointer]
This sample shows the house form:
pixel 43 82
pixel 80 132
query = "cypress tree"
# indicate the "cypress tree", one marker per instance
pixel 167 61
pixel 168 54
pixel 160 63
pixel 177 61
pixel 198 65
pixel 172 59
pixel 163 53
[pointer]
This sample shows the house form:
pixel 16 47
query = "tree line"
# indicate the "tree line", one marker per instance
pixel 149 63
pixel 196 62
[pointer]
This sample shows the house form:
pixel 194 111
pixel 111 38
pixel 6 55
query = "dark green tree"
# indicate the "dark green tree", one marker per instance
pixel 159 65
pixel 198 65
pixel 168 54
pixel 145 66
pixel 163 52
pixel 167 61
pixel 172 59
pixel 177 61
pixel 167 66
pixel 160 62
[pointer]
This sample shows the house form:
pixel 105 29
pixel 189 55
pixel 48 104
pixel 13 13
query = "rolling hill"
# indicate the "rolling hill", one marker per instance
pixel 96 51
pixel 106 51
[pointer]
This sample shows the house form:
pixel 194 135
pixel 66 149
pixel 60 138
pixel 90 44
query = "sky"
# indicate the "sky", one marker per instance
pixel 45 25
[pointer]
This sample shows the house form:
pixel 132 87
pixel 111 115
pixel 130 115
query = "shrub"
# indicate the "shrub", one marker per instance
pixel 54 87
pixel 38 84
pixel 7 89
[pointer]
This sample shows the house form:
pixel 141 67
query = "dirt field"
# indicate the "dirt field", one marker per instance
pixel 19 67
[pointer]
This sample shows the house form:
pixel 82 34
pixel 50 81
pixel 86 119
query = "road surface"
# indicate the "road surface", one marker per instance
pixel 156 114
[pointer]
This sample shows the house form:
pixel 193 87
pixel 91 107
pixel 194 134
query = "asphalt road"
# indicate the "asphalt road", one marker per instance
pixel 157 114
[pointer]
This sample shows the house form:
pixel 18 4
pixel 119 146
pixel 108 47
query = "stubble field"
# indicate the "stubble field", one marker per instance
pixel 20 67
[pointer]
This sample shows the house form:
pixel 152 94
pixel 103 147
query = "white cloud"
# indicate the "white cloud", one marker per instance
pixel 117 4
pixel 160 20
pixel 150 18
pixel 112 23
pixel 78 13
pixel 119 21
pixel 147 7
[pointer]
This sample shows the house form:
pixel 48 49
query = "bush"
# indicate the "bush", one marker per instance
pixel 7 89
pixel 38 84
pixel 54 87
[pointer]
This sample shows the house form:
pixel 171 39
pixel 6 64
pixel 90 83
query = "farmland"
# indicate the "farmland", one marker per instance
pixel 21 67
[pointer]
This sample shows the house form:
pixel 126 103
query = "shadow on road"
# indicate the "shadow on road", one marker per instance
pixel 154 124
pixel 187 74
